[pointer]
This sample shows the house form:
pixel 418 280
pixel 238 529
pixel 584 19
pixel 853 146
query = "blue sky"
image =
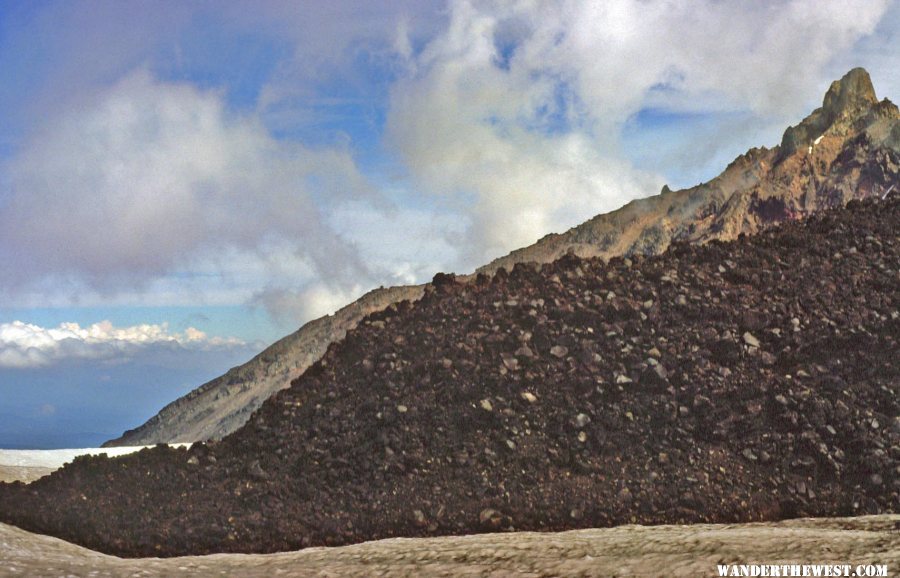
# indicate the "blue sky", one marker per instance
pixel 182 183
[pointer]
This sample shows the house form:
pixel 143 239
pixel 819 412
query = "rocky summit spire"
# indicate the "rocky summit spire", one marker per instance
pixel 852 93
pixel 847 99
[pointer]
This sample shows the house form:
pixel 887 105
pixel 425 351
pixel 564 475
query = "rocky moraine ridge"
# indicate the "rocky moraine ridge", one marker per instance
pixel 751 380
pixel 848 148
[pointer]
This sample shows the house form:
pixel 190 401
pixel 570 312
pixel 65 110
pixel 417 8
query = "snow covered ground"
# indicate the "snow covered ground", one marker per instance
pixel 56 458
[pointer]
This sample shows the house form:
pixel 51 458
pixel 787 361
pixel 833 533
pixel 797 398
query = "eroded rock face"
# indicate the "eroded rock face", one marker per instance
pixel 847 101
pixel 847 149
pixel 755 380
pixel 851 93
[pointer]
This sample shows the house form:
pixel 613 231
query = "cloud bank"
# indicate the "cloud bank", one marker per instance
pixel 24 345
pixel 154 173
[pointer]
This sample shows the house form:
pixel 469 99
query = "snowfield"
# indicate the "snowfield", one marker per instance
pixel 29 465
pixel 56 458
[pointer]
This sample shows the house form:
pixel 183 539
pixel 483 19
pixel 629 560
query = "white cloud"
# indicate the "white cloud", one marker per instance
pixel 879 53
pixel 25 345
pixel 153 176
pixel 465 126
pixel 408 244
pixel 767 57
pixel 311 302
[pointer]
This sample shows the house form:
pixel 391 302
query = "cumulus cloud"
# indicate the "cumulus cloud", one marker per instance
pixel 518 107
pixel 763 56
pixel 404 245
pixel 412 242
pixel 878 52
pixel 310 302
pixel 153 175
pixel 25 345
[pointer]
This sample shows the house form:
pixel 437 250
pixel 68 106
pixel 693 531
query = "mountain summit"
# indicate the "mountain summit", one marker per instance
pixel 848 101
pixel 847 149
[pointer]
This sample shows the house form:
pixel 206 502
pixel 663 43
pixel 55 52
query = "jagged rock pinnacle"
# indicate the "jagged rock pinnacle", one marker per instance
pixel 852 92
pixel 847 99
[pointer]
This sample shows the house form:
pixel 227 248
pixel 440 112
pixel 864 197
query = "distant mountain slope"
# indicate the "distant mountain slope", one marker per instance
pixel 849 148
pixel 224 404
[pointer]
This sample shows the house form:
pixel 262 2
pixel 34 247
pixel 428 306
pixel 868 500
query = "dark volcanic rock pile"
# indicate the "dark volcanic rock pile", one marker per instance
pixel 728 382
